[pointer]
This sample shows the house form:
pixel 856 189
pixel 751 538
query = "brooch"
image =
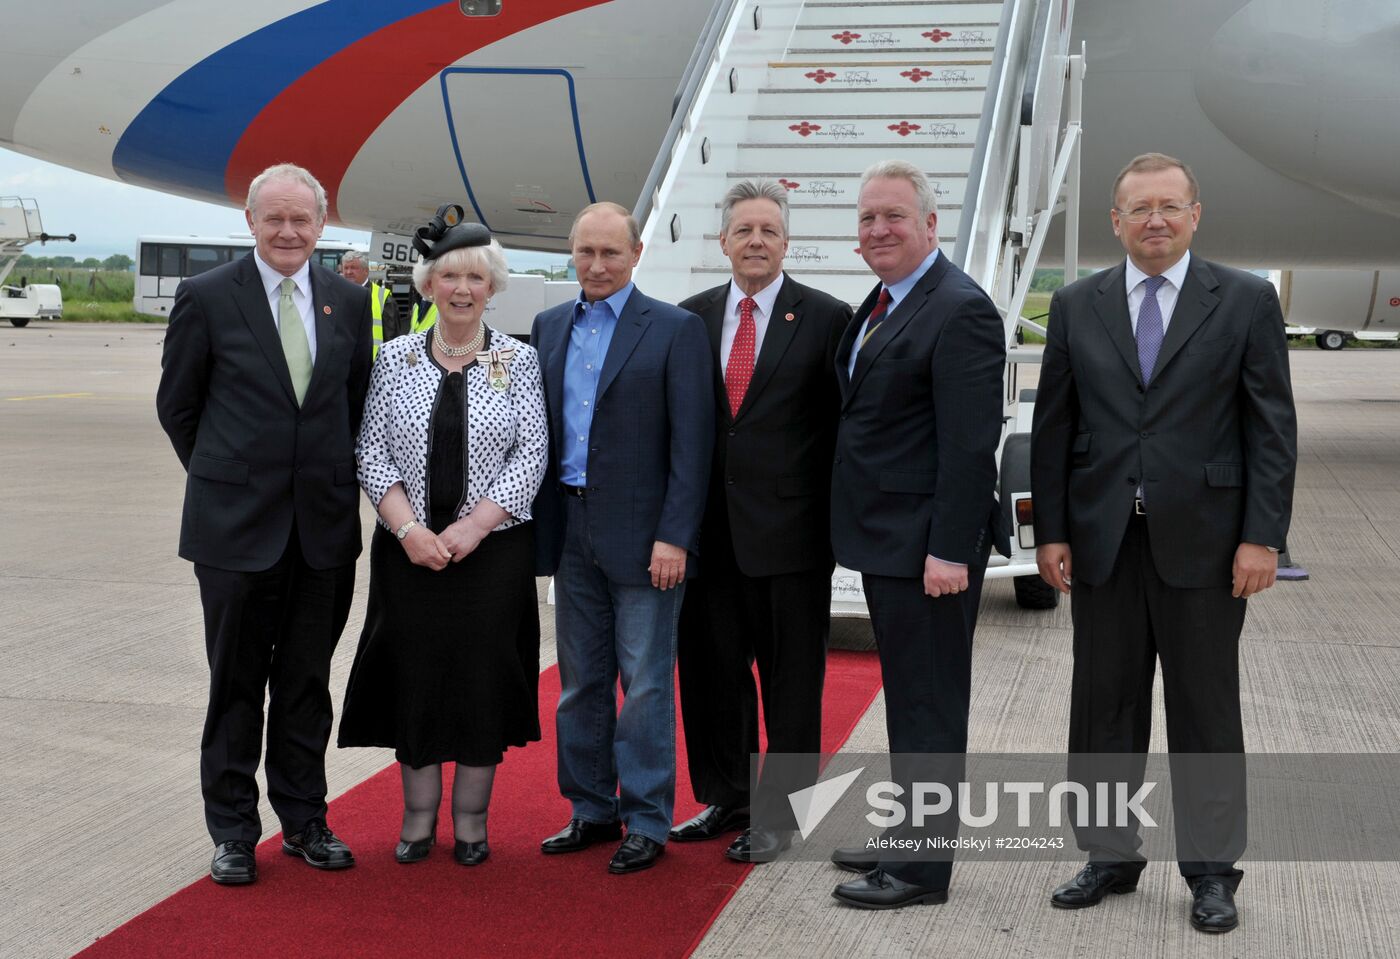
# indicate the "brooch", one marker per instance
pixel 411 359
pixel 497 373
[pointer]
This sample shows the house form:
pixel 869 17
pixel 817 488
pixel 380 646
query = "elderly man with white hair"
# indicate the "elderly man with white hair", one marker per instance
pixel 262 385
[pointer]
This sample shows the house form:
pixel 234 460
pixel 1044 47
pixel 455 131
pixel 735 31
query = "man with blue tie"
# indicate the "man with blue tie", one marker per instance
pixel 1163 453
pixel 628 384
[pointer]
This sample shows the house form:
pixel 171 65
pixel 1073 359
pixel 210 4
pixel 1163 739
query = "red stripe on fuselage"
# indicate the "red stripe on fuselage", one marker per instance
pixel 321 121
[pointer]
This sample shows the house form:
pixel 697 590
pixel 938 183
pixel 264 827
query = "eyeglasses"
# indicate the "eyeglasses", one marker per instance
pixel 1142 214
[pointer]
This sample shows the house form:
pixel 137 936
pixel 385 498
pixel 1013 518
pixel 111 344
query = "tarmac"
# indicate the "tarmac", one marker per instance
pixel 103 685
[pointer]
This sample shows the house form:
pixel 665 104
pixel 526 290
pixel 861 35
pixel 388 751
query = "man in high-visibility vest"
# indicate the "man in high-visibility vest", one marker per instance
pixel 422 319
pixel 354 267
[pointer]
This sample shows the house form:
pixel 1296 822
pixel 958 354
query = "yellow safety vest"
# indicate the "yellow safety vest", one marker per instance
pixel 429 318
pixel 377 296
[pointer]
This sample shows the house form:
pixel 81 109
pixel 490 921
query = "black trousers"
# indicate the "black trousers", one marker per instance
pixel 1122 627
pixel 269 634
pixel 925 648
pixel 728 622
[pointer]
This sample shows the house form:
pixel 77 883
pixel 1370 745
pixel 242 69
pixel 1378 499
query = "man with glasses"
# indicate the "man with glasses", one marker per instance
pixel 1162 460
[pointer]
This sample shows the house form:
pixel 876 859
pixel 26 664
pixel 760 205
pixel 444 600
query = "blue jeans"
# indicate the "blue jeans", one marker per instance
pixel 614 765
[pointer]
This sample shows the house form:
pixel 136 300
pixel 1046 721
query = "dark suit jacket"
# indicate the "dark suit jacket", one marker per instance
pixel 1212 439
pixel 770 484
pixel 257 462
pixel 915 471
pixel 650 440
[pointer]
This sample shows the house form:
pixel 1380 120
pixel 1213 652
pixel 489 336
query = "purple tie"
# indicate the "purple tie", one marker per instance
pixel 1149 329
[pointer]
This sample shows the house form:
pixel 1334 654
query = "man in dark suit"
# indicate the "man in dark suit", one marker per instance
pixel 913 492
pixel 766 593
pixel 1162 461
pixel 262 385
pixel 627 382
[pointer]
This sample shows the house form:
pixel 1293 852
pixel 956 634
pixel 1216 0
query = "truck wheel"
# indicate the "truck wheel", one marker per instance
pixel 20 321
pixel 1032 592
pixel 1331 340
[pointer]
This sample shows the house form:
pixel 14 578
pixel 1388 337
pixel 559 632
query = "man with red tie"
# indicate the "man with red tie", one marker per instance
pixel 765 596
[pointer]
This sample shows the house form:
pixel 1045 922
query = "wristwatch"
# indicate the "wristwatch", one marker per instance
pixel 403 530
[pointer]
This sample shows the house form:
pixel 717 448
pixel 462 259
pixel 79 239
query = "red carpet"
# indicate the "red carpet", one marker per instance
pixel 519 903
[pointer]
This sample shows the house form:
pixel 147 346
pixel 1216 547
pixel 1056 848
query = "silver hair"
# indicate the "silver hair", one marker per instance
pixel 288 171
pixel 355 256
pixel 634 229
pixel 753 190
pixel 490 258
pixel 904 170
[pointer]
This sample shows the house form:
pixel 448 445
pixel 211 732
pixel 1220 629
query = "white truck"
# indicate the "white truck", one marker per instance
pixel 20 226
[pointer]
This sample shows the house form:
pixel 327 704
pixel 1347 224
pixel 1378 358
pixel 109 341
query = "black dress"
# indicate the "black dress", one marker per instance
pixel 448 664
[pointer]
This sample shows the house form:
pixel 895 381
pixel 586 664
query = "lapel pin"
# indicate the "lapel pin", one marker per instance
pixel 326 310
pixel 790 317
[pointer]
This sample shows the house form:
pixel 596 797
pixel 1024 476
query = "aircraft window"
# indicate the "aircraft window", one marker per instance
pixel 170 261
pixel 480 8
pixel 201 258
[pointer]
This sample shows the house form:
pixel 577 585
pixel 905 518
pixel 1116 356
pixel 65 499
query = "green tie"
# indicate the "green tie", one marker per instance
pixel 294 345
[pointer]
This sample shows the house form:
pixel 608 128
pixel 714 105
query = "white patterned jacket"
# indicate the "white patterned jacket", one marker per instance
pixel 507 431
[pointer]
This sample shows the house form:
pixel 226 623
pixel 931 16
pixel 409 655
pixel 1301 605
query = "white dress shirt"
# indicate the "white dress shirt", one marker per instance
pixel 764 300
pixel 301 298
pixel 1134 279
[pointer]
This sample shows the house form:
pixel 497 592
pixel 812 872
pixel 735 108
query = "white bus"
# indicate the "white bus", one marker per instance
pixel 163 261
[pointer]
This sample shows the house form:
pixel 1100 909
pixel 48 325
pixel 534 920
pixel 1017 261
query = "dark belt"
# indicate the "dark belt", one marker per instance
pixel 1138 509
pixel 579 491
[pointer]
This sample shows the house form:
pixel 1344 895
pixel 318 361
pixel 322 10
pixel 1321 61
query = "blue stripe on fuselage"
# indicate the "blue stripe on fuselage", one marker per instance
pixel 186 135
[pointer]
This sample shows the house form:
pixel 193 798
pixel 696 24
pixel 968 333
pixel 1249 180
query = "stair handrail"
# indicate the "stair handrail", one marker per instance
pixel 689 88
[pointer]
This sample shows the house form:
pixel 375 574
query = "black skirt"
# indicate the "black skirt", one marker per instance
pixel 448 665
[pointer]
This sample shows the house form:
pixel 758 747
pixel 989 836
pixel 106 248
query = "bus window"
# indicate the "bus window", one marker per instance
pixel 201 258
pixel 170 261
pixel 148 259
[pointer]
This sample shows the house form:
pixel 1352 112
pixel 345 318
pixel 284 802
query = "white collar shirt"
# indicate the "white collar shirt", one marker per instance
pixel 301 298
pixel 763 309
pixel 1135 280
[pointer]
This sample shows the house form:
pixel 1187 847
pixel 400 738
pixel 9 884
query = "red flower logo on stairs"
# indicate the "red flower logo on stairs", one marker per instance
pixel 788 184
pixel 804 128
pixel 820 76
pixel 937 35
pixel 845 36
pixel 904 127
pixel 916 74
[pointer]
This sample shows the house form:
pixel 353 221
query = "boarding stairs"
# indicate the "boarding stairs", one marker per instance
pixel 21 225
pixel 811 93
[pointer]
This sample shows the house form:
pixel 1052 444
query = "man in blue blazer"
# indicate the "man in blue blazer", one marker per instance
pixel 631 409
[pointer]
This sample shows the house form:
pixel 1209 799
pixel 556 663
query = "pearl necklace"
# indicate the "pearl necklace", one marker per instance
pixel 459 351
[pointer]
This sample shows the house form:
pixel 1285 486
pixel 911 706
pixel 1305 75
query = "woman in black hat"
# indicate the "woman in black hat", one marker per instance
pixel 451 452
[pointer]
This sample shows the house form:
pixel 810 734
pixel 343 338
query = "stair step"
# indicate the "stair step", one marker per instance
pixel 777 130
pixel 842 189
pixel 854 156
pixel 909 17
pixel 977 37
pixel 858 97
pixel 891 75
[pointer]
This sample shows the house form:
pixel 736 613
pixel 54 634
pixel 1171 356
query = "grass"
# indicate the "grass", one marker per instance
pixel 89 311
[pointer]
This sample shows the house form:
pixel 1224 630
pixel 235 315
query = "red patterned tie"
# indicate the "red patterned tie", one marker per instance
pixel 877 315
pixel 740 369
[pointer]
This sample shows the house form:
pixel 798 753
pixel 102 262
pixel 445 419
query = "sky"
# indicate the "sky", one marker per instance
pixel 107 215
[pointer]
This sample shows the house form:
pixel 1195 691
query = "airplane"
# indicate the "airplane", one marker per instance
pixel 1288 110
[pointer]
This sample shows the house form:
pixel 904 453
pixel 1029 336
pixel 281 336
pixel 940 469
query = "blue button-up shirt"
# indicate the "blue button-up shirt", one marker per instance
pixel 589 338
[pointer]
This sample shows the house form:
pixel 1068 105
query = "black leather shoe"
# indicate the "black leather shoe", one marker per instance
pixel 635 854
pixel 471 853
pixel 854 860
pixel 877 889
pixel 234 863
pixel 1089 887
pixel 758 845
pixel 580 834
pixel 711 823
pixel 319 847
pixel 1213 906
